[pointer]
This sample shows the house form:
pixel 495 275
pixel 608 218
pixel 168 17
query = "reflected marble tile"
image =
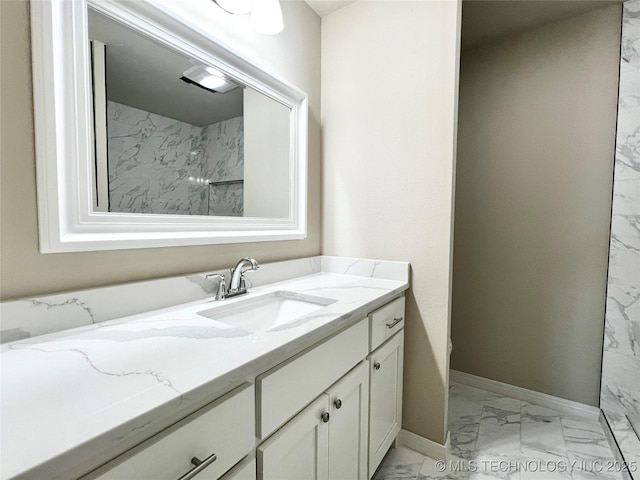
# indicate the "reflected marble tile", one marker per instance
pixel 161 165
pixel 224 150
pixel 226 200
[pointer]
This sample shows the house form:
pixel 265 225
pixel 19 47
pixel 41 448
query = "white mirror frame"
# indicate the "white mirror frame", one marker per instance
pixel 64 139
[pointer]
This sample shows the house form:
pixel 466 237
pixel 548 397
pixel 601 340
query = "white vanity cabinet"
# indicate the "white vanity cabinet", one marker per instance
pixel 204 445
pixel 345 432
pixel 348 422
pixel 329 413
pixel 300 449
pixel 385 367
pixel 327 440
pixel 284 390
pixel 245 470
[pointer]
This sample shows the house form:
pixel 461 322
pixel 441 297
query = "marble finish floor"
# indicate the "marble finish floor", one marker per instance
pixel 627 435
pixel 493 436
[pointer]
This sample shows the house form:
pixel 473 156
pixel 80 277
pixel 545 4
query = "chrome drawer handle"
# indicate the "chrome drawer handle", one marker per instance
pixel 200 465
pixel 376 365
pixel 325 417
pixel 396 321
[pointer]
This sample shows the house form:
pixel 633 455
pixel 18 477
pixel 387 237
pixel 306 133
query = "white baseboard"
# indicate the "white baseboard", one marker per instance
pixel 422 445
pixel 542 399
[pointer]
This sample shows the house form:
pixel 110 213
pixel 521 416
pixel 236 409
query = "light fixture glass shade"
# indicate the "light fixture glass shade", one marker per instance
pixel 238 7
pixel 212 82
pixel 266 17
pixel 208 77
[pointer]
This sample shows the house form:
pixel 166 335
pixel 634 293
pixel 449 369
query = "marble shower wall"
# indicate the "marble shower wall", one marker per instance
pixel 224 153
pixel 160 165
pixel 620 390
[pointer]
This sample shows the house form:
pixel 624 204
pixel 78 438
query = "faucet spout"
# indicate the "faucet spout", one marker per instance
pixel 237 284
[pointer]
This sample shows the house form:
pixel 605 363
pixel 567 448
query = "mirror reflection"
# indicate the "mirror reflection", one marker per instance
pixel 176 136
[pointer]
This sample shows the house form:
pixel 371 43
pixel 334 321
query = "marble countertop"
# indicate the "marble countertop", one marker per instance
pixel 73 399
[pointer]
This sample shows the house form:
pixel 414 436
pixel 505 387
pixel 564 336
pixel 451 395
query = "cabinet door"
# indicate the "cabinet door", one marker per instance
pixel 349 410
pixel 300 449
pixel 245 470
pixel 385 407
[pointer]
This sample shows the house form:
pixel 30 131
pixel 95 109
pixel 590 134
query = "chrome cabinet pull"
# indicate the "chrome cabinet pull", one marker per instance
pixel 325 417
pixel 376 365
pixel 200 465
pixel 396 321
pixel 338 404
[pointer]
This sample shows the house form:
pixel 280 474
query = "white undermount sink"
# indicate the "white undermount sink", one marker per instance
pixel 266 312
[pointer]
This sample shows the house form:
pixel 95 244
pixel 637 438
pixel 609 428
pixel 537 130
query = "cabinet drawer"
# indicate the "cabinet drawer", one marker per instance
pixel 224 428
pixel 286 389
pixel 386 321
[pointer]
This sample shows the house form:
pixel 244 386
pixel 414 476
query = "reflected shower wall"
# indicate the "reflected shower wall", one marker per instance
pixel 620 386
pixel 163 166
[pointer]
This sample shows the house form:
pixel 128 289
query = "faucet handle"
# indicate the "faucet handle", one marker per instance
pixel 222 284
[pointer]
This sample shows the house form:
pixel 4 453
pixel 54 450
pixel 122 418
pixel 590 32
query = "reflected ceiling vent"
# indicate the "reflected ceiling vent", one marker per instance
pixel 208 78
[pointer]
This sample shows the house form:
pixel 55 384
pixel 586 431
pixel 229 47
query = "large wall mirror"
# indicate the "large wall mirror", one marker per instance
pixel 150 132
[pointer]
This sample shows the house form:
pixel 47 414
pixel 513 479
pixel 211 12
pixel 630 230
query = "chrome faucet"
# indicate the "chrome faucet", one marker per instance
pixel 237 285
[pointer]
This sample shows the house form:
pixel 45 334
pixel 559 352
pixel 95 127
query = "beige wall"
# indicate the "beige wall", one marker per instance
pixel 533 199
pixel 389 83
pixel 293 55
pixel 266 155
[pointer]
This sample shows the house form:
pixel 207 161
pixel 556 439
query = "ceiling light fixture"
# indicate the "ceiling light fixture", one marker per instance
pixel 237 7
pixel 266 15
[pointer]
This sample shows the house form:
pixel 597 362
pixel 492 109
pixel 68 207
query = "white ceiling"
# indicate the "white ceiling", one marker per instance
pixel 146 75
pixel 325 7
pixel 486 20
